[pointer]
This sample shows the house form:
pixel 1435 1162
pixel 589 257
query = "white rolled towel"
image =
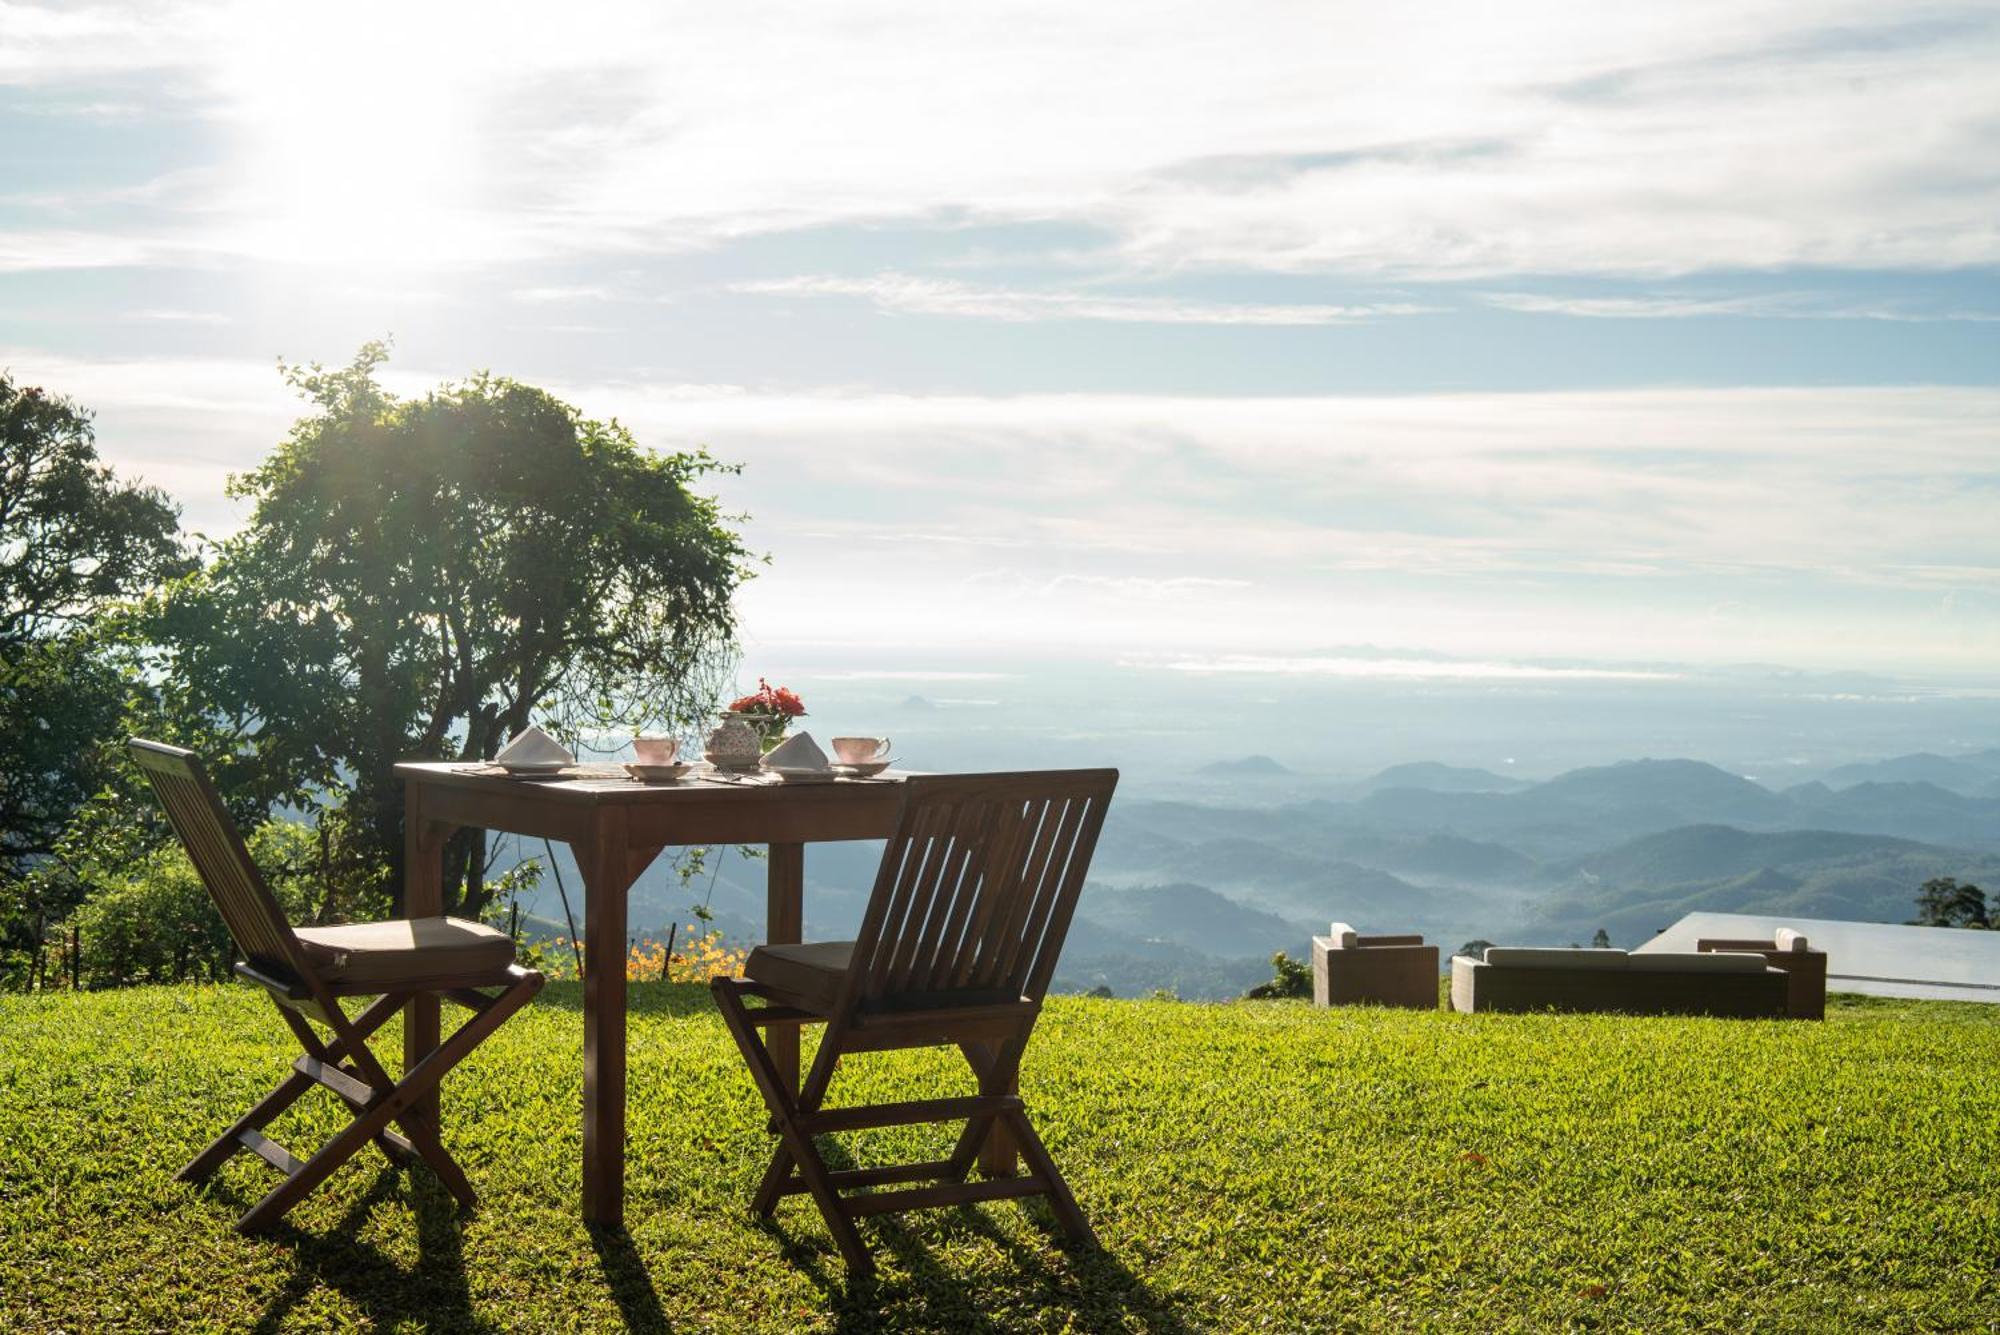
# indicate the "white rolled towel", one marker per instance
pixel 1787 939
pixel 1344 937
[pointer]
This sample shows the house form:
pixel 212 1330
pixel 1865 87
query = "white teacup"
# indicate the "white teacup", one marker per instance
pixel 655 750
pixel 860 750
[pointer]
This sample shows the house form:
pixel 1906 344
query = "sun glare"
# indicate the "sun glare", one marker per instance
pixel 353 131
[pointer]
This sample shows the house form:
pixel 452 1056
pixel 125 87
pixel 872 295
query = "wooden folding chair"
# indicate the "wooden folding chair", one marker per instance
pixel 307 971
pixel 960 938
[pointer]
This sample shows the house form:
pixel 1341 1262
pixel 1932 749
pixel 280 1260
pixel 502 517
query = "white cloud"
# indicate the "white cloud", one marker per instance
pixel 905 294
pixel 169 316
pixel 1771 305
pixel 535 296
pixel 27 251
pixel 1639 525
pixel 1557 137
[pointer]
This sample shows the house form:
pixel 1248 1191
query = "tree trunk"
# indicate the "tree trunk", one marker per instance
pixel 465 873
pixel 473 902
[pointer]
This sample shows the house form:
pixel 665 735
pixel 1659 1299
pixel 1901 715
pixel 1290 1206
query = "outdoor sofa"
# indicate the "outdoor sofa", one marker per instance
pixel 1804 968
pixel 1525 978
pixel 1349 968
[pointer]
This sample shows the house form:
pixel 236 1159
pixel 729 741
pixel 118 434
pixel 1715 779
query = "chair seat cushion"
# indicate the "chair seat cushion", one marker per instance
pixel 811 971
pixel 406 949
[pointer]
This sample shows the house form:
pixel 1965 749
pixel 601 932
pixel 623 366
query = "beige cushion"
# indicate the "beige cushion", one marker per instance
pixel 1787 939
pixel 1708 961
pixel 1553 957
pixel 1342 937
pixel 405 949
pixel 811 971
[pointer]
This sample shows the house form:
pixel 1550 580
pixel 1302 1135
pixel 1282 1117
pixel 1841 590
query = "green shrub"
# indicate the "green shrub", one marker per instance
pixel 151 919
pixel 1289 978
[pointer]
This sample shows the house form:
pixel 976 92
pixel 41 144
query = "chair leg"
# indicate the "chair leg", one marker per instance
pixel 431 1150
pixel 351 1041
pixel 371 1018
pixel 1067 1212
pixel 203 1165
pixel 421 1080
pixel 795 1147
pixel 764 1201
pixel 986 1062
pixel 422 1143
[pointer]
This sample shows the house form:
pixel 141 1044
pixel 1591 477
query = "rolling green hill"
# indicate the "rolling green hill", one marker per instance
pixel 1185 915
pixel 1640 886
pixel 1248 1167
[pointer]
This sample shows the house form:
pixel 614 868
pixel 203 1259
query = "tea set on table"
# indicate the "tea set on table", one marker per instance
pixel 733 751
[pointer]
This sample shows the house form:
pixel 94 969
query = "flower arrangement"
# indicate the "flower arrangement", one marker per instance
pixel 769 710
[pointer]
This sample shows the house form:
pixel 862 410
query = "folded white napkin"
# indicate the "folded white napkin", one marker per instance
pixel 800 752
pixel 532 746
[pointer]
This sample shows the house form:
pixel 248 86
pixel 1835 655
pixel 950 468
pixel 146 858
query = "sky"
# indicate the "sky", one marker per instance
pixel 1449 341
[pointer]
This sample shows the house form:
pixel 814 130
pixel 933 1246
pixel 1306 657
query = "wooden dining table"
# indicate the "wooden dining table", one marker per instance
pixel 615 827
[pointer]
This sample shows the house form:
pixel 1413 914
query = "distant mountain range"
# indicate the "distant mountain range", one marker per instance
pixel 1457 854
pixel 1430 776
pixel 1973 775
pixel 1195 895
pixel 1641 886
pixel 1247 767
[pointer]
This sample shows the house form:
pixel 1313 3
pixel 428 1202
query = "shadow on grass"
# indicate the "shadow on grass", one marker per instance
pixel 434 1295
pixel 625 1274
pixel 1091 1284
pixel 670 999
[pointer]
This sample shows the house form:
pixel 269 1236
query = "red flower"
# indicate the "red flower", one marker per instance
pixel 770 699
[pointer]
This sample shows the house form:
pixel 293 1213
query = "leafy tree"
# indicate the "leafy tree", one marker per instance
pixel 424 578
pixel 1474 949
pixel 1601 941
pixel 74 542
pixel 1944 901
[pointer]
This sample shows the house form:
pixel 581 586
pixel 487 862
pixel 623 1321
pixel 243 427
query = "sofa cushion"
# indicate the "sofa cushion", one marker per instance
pixel 1711 961
pixel 1553 957
pixel 405 950
pixel 1342 937
pixel 1787 939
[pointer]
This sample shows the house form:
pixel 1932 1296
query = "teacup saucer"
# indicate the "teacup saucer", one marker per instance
pixel 861 769
pixel 536 769
pixel 655 773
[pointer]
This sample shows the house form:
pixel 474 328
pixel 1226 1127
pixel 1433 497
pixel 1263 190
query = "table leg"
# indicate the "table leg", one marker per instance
pixel 606 865
pixel 785 924
pixel 423 897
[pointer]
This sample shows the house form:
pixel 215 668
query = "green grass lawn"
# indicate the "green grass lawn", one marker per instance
pixel 1253 1166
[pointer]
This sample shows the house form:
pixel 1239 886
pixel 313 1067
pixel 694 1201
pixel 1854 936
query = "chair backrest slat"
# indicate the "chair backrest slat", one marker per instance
pixel 949 947
pixel 1011 952
pixel 246 904
pixel 977 886
pixel 1032 834
pixel 917 958
pixel 906 864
